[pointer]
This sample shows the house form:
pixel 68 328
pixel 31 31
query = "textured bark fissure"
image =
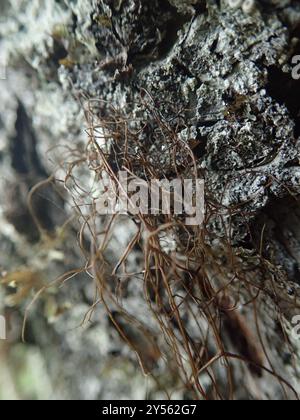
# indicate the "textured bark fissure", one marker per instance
pixel 165 88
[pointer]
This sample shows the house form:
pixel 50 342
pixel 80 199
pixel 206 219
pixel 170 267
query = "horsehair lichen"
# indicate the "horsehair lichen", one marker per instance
pixel 191 92
pixel 185 284
pixel 151 137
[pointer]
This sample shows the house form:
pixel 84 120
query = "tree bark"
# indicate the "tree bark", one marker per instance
pixel 161 88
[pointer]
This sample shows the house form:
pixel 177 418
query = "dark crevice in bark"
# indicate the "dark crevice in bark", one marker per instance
pixel 23 152
pixel 286 91
pixel 277 228
pixel 29 171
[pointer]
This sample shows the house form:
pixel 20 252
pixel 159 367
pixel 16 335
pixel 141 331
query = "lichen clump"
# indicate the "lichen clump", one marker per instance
pixel 166 89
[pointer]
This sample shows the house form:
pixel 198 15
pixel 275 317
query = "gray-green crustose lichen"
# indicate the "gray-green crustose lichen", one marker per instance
pixel 217 64
pixel 215 61
pixel 215 72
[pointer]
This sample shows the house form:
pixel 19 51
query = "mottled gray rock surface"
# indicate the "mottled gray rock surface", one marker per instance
pixel 212 77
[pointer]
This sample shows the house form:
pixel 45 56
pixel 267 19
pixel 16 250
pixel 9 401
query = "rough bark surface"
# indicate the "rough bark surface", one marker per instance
pixel 209 80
